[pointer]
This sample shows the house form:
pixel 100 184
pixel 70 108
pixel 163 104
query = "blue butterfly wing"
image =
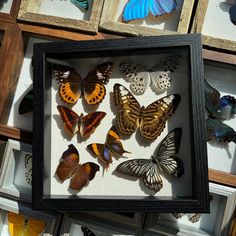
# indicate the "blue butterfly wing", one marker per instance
pixel 160 7
pixel 232 13
pixel 81 4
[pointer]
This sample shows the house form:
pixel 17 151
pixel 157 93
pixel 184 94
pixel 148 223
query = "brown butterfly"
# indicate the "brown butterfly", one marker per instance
pixel 69 167
pixel 85 125
pixel 113 146
pixel 73 86
pixel 150 120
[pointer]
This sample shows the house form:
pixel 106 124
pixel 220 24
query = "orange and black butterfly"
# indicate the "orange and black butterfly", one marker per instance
pixel 150 120
pixel 73 86
pixel 113 146
pixel 85 125
pixel 69 167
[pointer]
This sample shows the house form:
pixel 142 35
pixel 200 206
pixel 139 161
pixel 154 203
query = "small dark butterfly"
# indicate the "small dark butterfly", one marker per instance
pixel 73 86
pixel 83 4
pixel 26 105
pixel 193 217
pixel 219 107
pixel 112 146
pixel 219 131
pixel 74 123
pixel 150 120
pixel 163 160
pixel 232 14
pixel 69 167
pixel 86 231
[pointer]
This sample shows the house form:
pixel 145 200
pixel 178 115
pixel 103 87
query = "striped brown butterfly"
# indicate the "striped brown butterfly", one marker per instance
pixel 73 86
pixel 150 120
pixel 69 167
pixel 113 146
pixel 193 217
pixel 74 123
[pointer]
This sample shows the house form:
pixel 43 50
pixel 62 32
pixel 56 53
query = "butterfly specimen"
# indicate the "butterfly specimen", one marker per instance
pixel 86 231
pixel 82 4
pixel 26 105
pixel 28 168
pixel 73 86
pixel 219 107
pixel 150 120
pixel 69 167
pixel 112 146
pixel 19 225
pixel 158 77
pixel 232 13
pixel 163 160
pixel 219 131
pixel 193 217
pixel 85 125
pixel 139 9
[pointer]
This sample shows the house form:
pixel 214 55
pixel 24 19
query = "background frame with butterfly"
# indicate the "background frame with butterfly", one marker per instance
pixel 111 19
pixel 85 15
pixel 50 144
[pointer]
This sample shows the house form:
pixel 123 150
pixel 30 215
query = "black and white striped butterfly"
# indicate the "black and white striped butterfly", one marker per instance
pixel 163 160
pixel 158 77
pixel 28 168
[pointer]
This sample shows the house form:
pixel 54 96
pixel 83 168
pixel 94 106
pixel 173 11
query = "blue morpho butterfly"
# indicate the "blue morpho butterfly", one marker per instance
pixel 26 105
pixel 219 107
pixel 139 9
pixel 232 13
pixel 113 146
pixel 83 4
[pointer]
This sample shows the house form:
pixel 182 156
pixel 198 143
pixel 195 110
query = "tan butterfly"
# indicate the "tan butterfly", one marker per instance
pixel 150 120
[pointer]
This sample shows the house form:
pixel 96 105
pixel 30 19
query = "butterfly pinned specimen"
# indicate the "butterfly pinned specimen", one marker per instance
pixel 219 107
pixel 73 86
pixel 24 226
pixel 82 4
pixel 163 160
pixel 158 77
pixel 85 125
pixel 105 151
pixel 86 231
pixel 150 120
pixel 28 168
pixel 139 9
pixel 219 131
pixel 26 105
pixel 69 167
pixel 193 217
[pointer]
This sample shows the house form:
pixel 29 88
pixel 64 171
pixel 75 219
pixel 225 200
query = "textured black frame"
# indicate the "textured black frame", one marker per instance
pixel 199 202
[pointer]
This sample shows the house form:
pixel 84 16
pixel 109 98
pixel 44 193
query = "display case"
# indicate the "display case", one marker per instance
pixel 118 193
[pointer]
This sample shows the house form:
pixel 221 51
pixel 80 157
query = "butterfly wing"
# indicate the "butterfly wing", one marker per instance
pixel 219 131
pixel 144 168
pixel 28 168
pixel 15 223
pixel 26 105
pixel 93 85
pixel 83 174
pixel 34 227
pixel 178 215
pixel 70 88
pixel 83 4
pixel 90 122
pixel 70 119
pixel 232 14
pixel 68 163
pixel 128 109
pixel 86 231
pixel 113 142
pixel 160 74
pixel 154 117
pixel 137 75
pixel 159 7
pixel 102 152
pixel 194 217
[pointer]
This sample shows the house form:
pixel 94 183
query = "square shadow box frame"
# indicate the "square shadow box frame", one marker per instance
pixel 187 194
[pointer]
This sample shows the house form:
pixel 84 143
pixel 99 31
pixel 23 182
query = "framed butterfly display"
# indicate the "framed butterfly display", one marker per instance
pixel 80 15
pixel 124 128
pixel 152 17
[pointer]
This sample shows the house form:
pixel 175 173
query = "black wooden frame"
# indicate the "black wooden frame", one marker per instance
pixel 199 202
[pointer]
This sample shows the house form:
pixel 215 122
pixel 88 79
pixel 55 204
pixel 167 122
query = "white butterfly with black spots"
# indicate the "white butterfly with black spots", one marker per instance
pixel 163 160
pixel 158 77
pixel 28 168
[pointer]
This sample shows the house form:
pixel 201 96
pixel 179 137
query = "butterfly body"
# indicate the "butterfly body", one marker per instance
pixel 150 120
pixel 69 167
pixel 113 146
pixel 83 4
pixel 158 77
pixel 74 123
pixel 163 160
pixel 73 86
pixel 139 9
